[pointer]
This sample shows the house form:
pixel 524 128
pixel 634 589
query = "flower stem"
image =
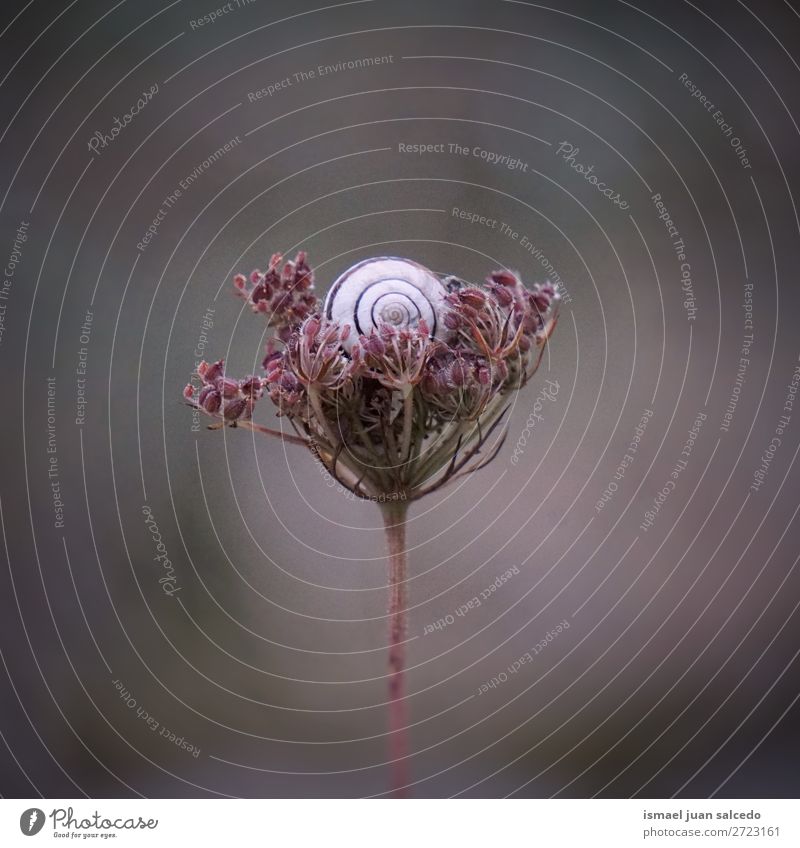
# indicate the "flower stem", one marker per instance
pixel 394 518
pixel 408 421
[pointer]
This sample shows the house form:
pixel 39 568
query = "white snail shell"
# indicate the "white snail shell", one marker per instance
pixel 386 290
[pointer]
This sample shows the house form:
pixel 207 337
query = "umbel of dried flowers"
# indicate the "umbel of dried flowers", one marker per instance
pixel 398 384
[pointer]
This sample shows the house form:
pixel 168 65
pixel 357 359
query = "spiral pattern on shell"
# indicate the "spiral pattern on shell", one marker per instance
pixel 386 290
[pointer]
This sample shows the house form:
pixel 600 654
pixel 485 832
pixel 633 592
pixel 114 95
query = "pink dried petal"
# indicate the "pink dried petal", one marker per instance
pixel 458 373
pixel 504 278
pixel 374 346
pixel 451 321
pixel 227 387
pixel 261 292
pixel 251 386
pixel 311 329
pixel 212 400
pixel 217 369
pixel 472 297
pixel 234 409
pixel 503 296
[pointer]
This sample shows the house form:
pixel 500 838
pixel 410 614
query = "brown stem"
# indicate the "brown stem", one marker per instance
pixel 408 421
pixel 286 437
pixel 247 424
pixel 394 518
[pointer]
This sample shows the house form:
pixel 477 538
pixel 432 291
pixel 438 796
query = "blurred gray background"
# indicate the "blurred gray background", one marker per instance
pixel 263 674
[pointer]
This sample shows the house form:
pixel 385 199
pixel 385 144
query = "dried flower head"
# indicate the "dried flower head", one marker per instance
pixel 390 409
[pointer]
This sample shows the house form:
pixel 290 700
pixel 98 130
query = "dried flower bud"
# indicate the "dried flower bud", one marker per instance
pixel 284 293
pixel 458 373
pixel 289 382
pixel 502 295
pixel 471 297
pixel 311 328
pixel 451 321
pixel 217 369
pixel 374 346
pixel 251 387
pixel 227 387
pixel 261 295
pixel 504 278
pixel 212 400
pixel 235 409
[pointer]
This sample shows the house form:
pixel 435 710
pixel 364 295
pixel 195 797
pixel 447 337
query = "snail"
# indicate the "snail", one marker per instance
pixel 386 290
